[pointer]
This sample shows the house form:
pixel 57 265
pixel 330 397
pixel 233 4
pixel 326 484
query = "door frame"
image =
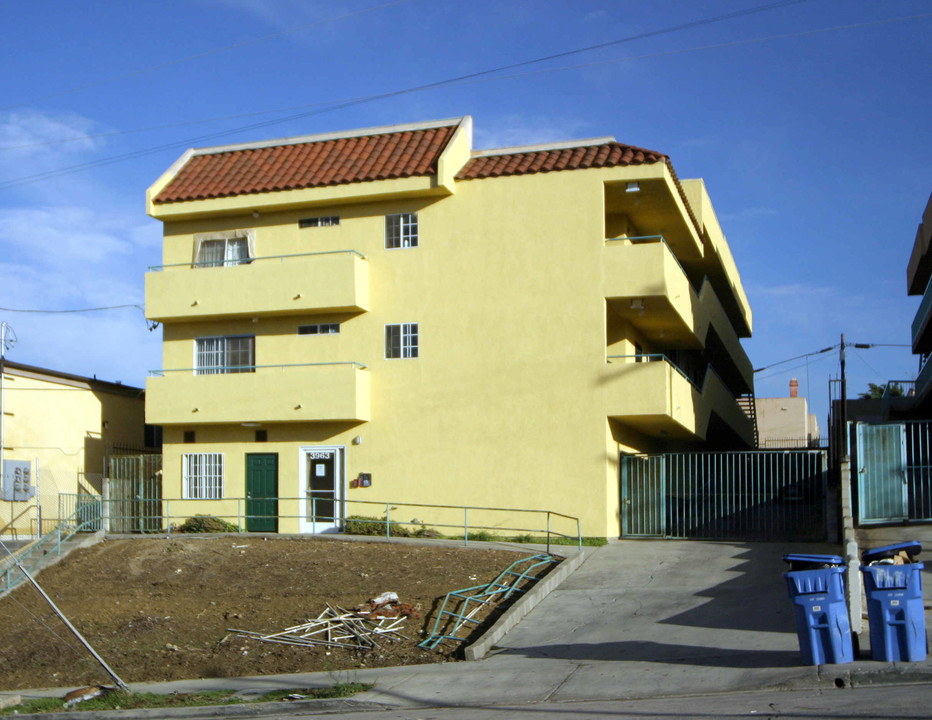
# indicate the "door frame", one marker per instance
pixel 262 499
pixel 339 486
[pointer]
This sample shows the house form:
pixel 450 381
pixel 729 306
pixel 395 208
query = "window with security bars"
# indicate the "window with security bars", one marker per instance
pixel 401 340
pixel 202 476
pixel 401 230
pixel 221 355
pixel 223 252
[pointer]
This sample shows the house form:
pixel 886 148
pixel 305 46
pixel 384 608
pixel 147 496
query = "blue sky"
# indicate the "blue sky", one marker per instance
pixel 814 141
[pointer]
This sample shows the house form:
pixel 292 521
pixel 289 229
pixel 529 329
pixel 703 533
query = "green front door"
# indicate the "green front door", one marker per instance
pixel 262 493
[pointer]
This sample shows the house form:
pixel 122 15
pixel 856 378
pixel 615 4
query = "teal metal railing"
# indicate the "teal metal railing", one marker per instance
pixel 249 261
pixel 85 518
pixel 652 357
pixel 233 369
pixel 460 607
pixel 320 514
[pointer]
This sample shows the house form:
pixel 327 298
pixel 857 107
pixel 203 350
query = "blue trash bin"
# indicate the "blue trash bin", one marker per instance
pixel 817 589
pixel 894 604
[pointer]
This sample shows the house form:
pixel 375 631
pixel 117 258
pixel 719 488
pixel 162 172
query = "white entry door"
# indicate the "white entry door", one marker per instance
pixel 322 484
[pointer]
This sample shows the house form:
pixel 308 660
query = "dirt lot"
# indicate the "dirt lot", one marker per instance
pixel 159 609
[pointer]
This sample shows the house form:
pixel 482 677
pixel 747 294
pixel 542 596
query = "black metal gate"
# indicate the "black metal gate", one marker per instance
pixel 755 495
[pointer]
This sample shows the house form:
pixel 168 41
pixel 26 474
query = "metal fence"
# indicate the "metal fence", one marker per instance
pixel 894 472
pixel 134 493
pixel 757 495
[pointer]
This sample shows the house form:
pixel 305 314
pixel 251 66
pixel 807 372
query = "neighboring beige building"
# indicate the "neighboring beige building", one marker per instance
pixel 786 422
pixel 388 315
pixel 57 430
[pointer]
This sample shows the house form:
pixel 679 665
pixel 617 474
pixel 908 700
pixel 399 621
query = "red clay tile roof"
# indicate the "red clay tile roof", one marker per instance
pixel 337 161
pixel 608 154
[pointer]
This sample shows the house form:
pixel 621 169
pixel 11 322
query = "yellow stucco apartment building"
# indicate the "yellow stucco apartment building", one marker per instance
pixel 388 315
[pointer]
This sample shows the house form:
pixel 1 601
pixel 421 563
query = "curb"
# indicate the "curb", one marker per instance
pixel 266 709
pixel 513 615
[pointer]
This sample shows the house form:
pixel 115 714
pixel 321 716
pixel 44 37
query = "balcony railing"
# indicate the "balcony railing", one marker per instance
pixel 652 357
pixel 233 369
pixel 304 283
pixel 300 392
pixel 921 343
pixel 250 261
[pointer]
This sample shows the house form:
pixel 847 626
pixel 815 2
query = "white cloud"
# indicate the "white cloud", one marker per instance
pixel 65 258
pixel 33 137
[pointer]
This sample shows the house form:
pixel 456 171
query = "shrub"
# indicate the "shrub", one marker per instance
pixel 207 524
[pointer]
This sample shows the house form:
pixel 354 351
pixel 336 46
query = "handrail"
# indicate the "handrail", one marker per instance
pixel 63 532
pixel 249 261
pixel 235 369
pixel 9 525
pixel 338 515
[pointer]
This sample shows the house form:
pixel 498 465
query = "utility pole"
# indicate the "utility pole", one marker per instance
pixel 843 430
pixel 7 339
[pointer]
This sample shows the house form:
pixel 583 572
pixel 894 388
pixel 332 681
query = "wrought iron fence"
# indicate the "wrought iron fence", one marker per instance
pixel 757 495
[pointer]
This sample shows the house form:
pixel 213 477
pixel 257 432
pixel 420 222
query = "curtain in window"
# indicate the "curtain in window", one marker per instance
pixel 211 253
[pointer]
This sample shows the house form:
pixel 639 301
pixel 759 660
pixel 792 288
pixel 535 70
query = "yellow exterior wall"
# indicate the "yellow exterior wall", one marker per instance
pixel 62 428
pixel 509 402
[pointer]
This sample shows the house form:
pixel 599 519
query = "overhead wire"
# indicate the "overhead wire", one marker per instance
pixel 196 56
pixel 339 105
pixel 562 68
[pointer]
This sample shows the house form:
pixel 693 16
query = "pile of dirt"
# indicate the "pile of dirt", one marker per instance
pixel 162 609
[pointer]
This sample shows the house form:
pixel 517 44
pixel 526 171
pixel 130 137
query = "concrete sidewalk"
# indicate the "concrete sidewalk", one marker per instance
pixel 638 619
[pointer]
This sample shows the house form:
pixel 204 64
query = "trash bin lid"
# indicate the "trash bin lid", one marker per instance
pixel 912 548
pixel 801 558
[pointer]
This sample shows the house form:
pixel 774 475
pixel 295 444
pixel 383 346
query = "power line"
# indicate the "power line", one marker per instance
pixel 206 53
pixel 77 310
pixel 339 105
pixel 797 357
pixel 562 68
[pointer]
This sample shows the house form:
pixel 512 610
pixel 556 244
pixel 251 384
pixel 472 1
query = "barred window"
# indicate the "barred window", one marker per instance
pixel 225 354
pixel 401 230
pixel 202 476
pixel 401 340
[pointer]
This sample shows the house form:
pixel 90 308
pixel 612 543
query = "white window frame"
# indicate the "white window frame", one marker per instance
pixel 401 231
pixel 229 257
pixel 220 351
pixel 202 476
pixel 408 341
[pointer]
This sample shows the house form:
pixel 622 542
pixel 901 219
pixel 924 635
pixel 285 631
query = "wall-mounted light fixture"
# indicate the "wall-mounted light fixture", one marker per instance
pixel 632 187
pixel 637 303
pixel 357 440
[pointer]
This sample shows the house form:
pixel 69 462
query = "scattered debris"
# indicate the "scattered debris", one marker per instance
pixel 387 605
pixel 338 627
pixel 86 693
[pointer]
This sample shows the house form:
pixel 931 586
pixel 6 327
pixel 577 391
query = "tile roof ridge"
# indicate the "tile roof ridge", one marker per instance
pixel 543 147
pixel 324 137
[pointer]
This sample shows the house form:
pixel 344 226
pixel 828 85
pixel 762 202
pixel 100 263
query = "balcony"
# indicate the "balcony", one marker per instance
pixel 645 285
pixel 922 332
pixel 283 284
pixel 324 392
pixel 652 395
